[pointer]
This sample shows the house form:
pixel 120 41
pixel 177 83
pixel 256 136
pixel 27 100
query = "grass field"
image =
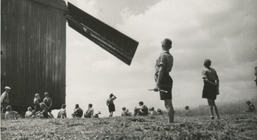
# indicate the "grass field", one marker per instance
pixel 233 125
pixel 240 126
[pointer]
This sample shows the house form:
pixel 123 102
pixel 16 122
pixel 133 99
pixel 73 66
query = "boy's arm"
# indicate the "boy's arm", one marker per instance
pixel 159 78
pixel 92 112
pixel 207 80
pixel 217 80
pixel 114 97
pixel 3 96
pixel 50 103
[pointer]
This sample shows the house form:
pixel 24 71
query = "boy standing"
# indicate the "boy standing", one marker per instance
pixel 163 80
pixel 211 87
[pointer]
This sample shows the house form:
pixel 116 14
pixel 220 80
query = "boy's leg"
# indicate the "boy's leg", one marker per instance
pixel 50 113
pixel 216 110
pixel 211 104
pixel 111 113
pixel 170 110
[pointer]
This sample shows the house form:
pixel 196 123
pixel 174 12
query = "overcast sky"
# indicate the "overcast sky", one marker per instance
pixel 223 31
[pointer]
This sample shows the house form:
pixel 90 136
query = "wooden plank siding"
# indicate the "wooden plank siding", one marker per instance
pixel 33 45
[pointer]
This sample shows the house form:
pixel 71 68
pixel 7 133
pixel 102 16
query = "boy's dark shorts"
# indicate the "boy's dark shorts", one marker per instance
pixel 166 84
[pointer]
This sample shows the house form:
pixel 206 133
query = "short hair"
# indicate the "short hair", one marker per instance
pixel 42 104
pixel 64 105
pixel 187 107
pixel 167 43
pixel 46 94
pixel 9 108
pixel 248 102
pixel 90 105
pixel 151 109
pixel 123 108
pixel 111 95
pixel 77 105
pixel 206 61
pixel 141 103
pixel 29 108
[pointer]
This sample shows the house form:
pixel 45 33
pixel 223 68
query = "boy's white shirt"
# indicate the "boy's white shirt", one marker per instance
pixel 11 115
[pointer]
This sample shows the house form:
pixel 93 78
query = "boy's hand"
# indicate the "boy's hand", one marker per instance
pixel 218 91
pixel 156 89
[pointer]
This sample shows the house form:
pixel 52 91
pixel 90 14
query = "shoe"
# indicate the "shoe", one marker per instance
pixel 212 117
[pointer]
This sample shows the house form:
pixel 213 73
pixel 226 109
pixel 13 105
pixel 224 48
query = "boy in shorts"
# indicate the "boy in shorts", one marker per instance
pixel 211 87
pixel 163 80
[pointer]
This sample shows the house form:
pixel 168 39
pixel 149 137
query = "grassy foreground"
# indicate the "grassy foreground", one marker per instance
pixel 240 126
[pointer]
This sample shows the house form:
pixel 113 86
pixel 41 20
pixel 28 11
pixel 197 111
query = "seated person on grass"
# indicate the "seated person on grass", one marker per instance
pixel 97 114
pixel 251 107
pixel 159 111
pixel 152 111
pixel 44 111
pixel 10 114
pixel 78 112
pixel 125 112
pixel 141 111
pixel 62 112
pixel 188 111
pixel 30 113
pixel 90 111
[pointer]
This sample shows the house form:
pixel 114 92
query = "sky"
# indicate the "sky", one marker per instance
pixel 223 31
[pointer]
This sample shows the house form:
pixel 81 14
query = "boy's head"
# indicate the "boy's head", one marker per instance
pixel 77 106
pixel 63 106
pixel 37 95
pixel 42 105
pixel 187 107
pixel 111 95
pixel 141 103
pixel 248 102
pixel 90 105
pixel 29 109
pixel 8 108
pixel 124 108
pixel 166 44
pixel 207 63
pixel 46 94
pixel 151 109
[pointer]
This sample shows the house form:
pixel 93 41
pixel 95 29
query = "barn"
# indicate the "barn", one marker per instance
pixel 33 47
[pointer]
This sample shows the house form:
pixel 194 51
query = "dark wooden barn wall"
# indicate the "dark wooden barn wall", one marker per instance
pixel 33 45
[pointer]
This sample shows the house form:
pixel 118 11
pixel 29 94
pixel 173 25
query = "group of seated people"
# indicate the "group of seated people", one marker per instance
pixel 42 111
pixel 142 110
pixel 78 112
pixel 251 107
